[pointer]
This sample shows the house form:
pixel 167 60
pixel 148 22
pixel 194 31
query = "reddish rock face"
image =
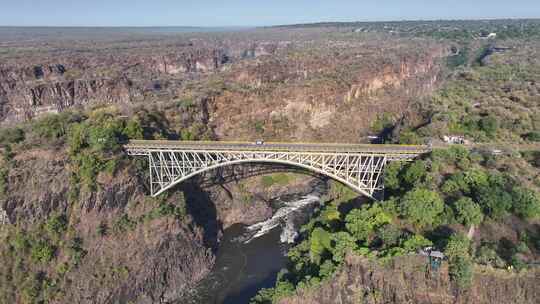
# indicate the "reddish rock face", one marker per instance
pixel 29 89
pixel 309 82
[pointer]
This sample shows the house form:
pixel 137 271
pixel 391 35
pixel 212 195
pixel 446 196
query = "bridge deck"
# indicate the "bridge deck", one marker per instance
pixel 275 147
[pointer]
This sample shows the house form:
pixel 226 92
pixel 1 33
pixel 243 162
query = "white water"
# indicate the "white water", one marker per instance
pixel 287 216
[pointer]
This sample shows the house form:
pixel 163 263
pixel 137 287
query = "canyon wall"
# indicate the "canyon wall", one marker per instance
pixel 410 280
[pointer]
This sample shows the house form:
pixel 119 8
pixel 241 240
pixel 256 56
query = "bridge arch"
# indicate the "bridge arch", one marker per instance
pixel 255 161
pixel 355 165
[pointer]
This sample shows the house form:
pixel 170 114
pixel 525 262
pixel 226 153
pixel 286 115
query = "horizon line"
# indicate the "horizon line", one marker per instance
pixel 273 25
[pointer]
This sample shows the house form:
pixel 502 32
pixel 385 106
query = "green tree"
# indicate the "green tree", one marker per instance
pixel 468 212
pixel 476 178
pixel 489 125
pixel 415 173
pixel 103 138
pixel 320 242
pixel 343 242
pixel 361 223
pixel 330 215
pixel 526 203
pixel 409 138
pixel 77 138
pixel 326 269
pixel 495 201
pixel 416 242
pixel 458 245
pixel 392 179
pixel 461 271
pixel 133 130
pixel 461 266
pixel 389 234
pixel 422 207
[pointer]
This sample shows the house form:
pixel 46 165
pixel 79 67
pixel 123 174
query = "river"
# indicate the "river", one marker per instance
pixel 249 258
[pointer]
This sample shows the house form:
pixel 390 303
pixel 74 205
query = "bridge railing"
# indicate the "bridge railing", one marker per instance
pixel 275 147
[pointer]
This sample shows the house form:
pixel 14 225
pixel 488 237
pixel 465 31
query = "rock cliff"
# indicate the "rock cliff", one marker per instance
pixel 409 280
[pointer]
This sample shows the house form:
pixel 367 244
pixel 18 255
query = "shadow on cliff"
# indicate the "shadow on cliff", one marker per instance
pixel 203 210
pixel 236 173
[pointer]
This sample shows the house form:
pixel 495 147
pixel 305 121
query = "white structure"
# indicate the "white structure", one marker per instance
pixel 455 140
pixel 358 166
pixel 4 219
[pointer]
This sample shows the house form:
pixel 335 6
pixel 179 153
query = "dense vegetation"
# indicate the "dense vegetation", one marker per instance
pixel 36 257
pixel 457 30
pixel 484 104
pixel 430 202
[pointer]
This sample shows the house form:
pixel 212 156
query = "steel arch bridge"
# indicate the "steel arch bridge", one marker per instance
pixel 357 166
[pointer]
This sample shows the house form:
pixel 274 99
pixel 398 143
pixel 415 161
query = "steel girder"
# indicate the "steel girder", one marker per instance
pixel 360 171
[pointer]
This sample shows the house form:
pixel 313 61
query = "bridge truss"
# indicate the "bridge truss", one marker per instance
pixel 170 165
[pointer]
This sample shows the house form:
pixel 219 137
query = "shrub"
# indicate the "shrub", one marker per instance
pixel 422 207
pixel 273 295
pixel 42 251
pixel 102 229
pixel 532 136
pixel 410 138
pixel 282 179
pixel 518 263
pixel 382 122
pixel 486 255
pixel 77 138
pixel 31 288
pixel 76 250
pixel 330 215
pixel 89 165
pixel 164 210
pixel 20 242
pixel 105 138
pixel 56 225
pixel 259 126
pixel 267 181
pixel 11 136
pixel 489 125
pixel 3 180
pixel 264 296
pixel 475 179
pixel 341 193
pixel 123 224
pixel 55 126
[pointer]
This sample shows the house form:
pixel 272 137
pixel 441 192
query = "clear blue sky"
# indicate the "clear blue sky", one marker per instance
pixel 250 12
